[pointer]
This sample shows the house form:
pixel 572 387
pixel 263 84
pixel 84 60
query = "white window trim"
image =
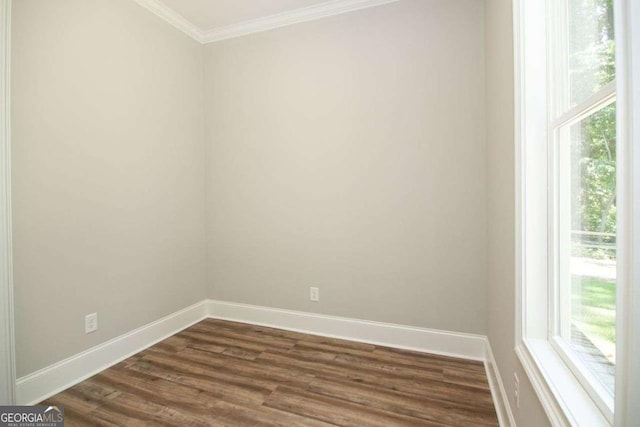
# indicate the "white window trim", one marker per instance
pixel 7 359
pixel 561 394
pixel 627 410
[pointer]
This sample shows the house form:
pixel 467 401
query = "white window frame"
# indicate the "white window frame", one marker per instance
pixel 7 340
pixel 564 397
pixel 627 410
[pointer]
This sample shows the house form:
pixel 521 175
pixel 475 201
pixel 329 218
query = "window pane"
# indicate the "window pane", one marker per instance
pixel 587 241
pixel 591 47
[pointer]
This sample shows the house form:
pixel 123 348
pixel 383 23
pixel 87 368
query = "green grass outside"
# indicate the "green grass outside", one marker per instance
pixel 593 303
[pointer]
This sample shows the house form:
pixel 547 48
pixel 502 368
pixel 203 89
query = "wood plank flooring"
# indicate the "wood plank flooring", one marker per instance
pixel 219 373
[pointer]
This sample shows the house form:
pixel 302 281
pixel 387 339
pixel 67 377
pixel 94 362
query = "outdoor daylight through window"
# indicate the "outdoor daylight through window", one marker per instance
pixel 568 165
pixel 584 210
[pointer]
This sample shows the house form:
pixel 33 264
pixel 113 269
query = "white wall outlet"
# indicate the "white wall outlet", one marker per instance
pixel 90 323
pixel 516 389
pixel 314 294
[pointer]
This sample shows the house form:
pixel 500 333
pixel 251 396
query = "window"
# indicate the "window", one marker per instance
pixel 582 134
pixel 568 169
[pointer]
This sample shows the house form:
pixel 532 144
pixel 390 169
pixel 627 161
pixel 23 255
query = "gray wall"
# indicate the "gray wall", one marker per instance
pixel 501 213
pixel 349 154
pixel 108 173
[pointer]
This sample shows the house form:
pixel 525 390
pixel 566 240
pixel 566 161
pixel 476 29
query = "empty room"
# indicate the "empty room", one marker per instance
pixel 320 213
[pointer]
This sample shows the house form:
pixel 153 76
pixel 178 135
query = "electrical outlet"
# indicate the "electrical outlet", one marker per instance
pixel 90 323
pixel 314 294
pixel 516 388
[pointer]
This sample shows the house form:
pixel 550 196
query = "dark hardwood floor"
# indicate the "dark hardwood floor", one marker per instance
pixel 220 373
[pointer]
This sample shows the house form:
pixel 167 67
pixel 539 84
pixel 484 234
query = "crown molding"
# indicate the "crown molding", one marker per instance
pixel 322 10
pixel 172 17
pixel 295 16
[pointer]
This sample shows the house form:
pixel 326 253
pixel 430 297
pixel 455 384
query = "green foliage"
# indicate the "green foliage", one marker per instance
pixel 593 140
pixel 596 150
pixel 594 307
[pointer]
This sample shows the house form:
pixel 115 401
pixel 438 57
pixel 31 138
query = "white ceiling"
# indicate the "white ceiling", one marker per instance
pixel 211 14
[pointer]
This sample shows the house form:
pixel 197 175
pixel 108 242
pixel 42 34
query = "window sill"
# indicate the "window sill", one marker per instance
pixel 562 396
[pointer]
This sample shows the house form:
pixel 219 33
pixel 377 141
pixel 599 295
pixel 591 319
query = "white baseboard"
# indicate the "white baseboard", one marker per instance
pixel 46 382
pixel 454 344
pixel 500 400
